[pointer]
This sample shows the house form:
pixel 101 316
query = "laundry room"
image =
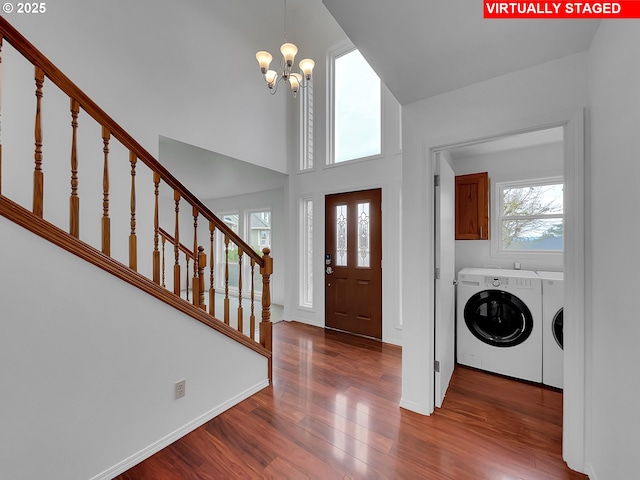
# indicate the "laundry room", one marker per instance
pixel 509 253
pixel 517 159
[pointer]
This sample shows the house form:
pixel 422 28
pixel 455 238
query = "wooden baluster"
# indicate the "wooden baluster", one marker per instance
pixel 196 269
pixel 186 256
pixel 38 175
pixel 74 201
pixel 252 317
pixel 176 247
pixel 133 241
pixel 202 263
pixel 212 289
pixel 163 242
pixel 106 221
pixel 265 325
pixel 1 76
pixel 156 225
pixel 226 279
pixel 240 316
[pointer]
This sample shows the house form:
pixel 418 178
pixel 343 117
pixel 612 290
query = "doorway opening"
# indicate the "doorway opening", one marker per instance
pixel 530 157
pixel 572 125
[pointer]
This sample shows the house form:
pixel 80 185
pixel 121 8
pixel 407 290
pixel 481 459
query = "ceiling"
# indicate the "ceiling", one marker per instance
pixel 218 176
pixel 425 48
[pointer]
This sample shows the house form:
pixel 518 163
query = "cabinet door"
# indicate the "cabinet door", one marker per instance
pixel 472 206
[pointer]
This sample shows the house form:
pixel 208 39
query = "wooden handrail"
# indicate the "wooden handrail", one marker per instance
pixel 31 53
pixel 183 248
pixel 23 217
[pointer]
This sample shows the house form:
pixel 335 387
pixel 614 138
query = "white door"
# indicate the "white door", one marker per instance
pixel 444 311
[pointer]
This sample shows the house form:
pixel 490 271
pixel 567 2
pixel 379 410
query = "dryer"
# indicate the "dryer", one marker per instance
pixel 499 322
pixel 552 335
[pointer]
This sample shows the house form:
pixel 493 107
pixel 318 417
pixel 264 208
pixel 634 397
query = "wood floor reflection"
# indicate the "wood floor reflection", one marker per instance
pixel 333 412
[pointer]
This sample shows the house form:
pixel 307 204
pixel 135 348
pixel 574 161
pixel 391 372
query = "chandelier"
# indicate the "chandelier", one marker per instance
pixel 288 51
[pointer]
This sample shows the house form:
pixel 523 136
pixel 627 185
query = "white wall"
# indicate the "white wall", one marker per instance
pixel 539 161
pixel 88 369
pixel 613 418
pixel 179 69
pixel 500 105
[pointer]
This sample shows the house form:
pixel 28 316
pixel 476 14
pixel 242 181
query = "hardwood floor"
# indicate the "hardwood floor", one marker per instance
pixel 333 412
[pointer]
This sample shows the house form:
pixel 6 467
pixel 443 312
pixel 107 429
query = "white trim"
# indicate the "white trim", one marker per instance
pixel 177 434
pixel 573 437
pixel 590 472
pixel 414 407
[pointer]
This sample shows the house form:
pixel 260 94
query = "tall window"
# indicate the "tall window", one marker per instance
pixel 306 128
pixel 356 109
pixel 306 253
pixel 530 216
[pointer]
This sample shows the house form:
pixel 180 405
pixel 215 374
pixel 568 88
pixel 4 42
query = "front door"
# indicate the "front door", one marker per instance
pixel 353 262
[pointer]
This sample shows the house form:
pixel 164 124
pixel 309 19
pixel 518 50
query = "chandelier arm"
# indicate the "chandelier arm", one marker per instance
pixel 274 89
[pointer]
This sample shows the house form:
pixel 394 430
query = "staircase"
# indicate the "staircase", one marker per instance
pixel 194 293
pixel 157 237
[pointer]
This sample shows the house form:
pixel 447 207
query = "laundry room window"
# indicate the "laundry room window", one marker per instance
pixel 529 217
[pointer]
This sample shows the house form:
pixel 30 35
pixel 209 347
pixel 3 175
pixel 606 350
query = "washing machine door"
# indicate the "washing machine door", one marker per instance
pixel 557 328
pixel 498 318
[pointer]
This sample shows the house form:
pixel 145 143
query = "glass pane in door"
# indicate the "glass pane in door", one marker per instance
pixel 363 235
pixel 341 236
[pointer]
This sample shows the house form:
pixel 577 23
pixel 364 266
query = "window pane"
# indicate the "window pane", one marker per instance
pixel 260 230
pixel 306 125
pixel 357 128
pixel 232 220
pixel 306 253
pixel 341 235
pixel 532 200
pixel 259 238
pixel 533 234
pixel 363 234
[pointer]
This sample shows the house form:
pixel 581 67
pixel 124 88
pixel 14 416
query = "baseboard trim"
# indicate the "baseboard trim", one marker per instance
pixel 177 434
pixel 589 472
pixel 414 407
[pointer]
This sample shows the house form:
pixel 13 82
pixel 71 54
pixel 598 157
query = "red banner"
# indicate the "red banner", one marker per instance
pixel 562 9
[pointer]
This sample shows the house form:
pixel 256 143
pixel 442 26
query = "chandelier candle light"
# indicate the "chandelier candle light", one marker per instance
pixel 289 51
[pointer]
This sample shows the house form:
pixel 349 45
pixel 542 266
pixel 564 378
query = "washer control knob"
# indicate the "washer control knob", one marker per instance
pixel 496 282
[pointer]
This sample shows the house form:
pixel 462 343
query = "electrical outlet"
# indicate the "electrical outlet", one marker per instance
pixel 180 389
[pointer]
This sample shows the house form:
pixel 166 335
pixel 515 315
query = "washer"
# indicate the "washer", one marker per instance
pixel 499 322
pixel 552 321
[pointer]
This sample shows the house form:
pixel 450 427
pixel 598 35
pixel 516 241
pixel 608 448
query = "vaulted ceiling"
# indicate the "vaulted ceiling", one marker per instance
pixel 425 48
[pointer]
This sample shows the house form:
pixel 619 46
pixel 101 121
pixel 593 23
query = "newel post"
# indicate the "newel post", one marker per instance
pixel 266 328
pixel 265 325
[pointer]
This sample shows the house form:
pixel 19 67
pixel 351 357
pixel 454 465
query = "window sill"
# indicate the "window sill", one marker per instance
pixel 354 161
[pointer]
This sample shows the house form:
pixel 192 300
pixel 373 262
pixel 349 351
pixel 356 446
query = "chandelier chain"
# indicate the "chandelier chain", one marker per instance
pixel 284 21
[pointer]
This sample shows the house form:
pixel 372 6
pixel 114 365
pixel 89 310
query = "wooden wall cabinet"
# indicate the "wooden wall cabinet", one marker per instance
pixel 472 206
